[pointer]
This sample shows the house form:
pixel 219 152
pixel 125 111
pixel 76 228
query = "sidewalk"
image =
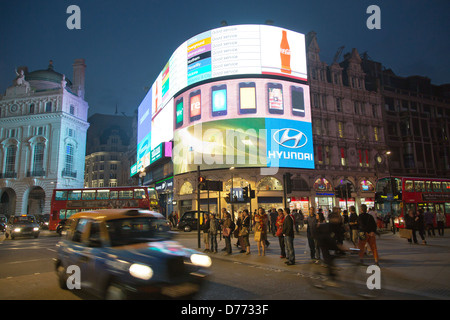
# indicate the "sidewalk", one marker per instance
pixel 423 270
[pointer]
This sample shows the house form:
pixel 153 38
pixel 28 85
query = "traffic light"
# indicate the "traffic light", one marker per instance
pixel 202 183
pixel 348 190
pixel 245 193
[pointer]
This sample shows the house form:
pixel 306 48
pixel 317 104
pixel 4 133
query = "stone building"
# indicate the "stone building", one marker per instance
pixel 43 124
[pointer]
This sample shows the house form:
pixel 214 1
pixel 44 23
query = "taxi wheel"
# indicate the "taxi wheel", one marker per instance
pixel 115 292
pixel 187 229
pixel 62 277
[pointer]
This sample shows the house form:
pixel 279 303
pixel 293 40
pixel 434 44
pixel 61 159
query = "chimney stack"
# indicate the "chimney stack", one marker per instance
pixel 79 70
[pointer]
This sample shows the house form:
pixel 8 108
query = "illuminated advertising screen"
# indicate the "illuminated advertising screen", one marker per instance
pixel 248 122
pixel 240 50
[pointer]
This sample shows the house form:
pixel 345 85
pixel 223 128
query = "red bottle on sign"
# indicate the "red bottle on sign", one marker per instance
pixel 285 54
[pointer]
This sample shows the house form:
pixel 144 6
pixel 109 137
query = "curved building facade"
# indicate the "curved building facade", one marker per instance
pixel 237 102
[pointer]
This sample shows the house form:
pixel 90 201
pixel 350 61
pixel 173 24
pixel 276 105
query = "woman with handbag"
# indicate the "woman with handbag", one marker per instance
pixel 227 230
pixel 261 220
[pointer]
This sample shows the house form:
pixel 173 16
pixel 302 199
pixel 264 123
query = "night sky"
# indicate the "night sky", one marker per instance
pixel 127 43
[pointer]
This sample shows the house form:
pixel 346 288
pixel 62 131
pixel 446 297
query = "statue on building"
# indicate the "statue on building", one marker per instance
pixel 20 80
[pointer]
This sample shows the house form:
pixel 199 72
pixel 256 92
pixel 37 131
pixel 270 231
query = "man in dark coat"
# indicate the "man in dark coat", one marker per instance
pixel 288 232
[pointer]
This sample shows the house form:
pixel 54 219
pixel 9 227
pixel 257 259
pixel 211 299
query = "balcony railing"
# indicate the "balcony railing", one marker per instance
pixel 10 174
pixel 67 173
pixel 36 173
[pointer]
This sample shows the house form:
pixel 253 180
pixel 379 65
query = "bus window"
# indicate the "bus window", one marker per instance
pixel 428 184
pixel 126 194
pixel 139 193
pixel 61 195
pixel 75 195
pixel 152 194
pixel 446 186
pixel 409 186
pixel 62 214
pixel 88 195
pixel 114 195
pixel 437 186
pixel 102 194
pixel 419 186
pixel 70 212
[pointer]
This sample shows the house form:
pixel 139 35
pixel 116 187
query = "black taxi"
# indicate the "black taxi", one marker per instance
pixel 127 254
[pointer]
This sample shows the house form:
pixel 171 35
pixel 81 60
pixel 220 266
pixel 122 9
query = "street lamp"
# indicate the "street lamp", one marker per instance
pixel 391 199
pixel 232 194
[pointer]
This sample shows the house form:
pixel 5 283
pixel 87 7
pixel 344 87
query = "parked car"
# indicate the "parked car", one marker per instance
pixel 22 226
pixel 188 220
pixel 128 253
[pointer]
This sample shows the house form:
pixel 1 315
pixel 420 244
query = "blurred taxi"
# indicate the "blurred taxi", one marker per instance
pixel 128 253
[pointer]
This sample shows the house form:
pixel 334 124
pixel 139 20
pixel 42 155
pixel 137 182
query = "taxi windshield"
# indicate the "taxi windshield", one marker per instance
pixel 136 230
pixel 23 219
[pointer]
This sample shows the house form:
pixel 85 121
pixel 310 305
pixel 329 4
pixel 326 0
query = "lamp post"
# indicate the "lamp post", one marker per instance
pixel 232 194
pixel 388 154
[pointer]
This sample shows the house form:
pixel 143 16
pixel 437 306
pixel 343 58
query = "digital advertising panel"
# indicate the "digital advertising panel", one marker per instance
pixel 230 51
pixel 245 122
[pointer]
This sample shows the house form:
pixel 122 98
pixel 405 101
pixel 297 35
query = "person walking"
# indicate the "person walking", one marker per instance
pixel 205 227
pixel 279 234
pixel 367 230
pixel 228 228
pixel 420 225
pixel 353 223
pixel 440 220
pixel 429 222
pixel 273 221
pixel 244 233
pixel 261 221
pixel 213 229
pixel 311 222
pixel 410 225
pixel 288 233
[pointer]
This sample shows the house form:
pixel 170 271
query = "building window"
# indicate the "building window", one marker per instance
pixel 319 154
pixel 375 133
pixel 343 159
pixel 48 107
pixel 69 159
pixel 339 104
pixel 32 108
pixel 38 159
pixel 72 109
pixel 10 167
pixel 340 129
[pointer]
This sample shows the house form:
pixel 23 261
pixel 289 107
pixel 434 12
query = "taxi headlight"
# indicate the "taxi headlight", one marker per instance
pixel 17 229
pixel 201 260
pixel 141 271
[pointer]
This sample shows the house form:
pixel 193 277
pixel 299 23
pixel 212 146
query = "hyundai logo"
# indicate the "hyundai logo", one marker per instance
pixel 286 137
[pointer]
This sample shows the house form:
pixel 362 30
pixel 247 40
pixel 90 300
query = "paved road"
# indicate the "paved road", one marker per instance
pixel 409 271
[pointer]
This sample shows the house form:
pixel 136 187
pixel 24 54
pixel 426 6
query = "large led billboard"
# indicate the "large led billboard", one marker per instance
pixel 245 122
pixel 223 52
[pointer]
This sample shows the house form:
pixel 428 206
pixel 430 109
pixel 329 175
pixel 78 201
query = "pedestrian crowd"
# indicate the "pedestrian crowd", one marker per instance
pixel 325 231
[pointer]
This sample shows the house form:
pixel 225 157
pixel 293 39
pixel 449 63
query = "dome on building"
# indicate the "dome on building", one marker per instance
pixel 46 79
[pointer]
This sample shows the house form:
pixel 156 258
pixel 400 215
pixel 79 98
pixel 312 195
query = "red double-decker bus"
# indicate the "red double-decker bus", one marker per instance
pixel 399 194
pixel 66 202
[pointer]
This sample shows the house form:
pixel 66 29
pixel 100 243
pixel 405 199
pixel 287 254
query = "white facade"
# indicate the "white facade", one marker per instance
pixel 43 124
